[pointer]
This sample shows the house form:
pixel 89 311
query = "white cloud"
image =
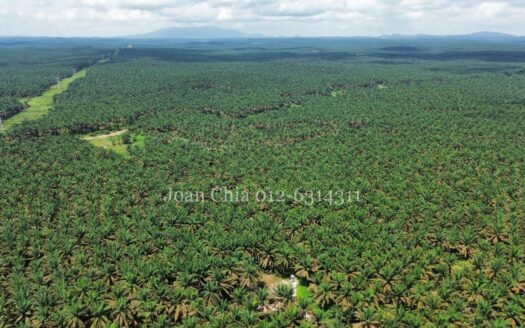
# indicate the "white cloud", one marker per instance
pixel 273 17
pixel 492 9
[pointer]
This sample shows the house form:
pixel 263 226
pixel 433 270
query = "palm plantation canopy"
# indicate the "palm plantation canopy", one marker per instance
pixel 431 135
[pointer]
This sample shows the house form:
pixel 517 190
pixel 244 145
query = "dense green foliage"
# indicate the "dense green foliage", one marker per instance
pixel 29 70
pixel 9 106
pixel 434 147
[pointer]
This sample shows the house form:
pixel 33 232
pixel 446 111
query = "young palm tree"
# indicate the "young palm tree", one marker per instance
pixel 23 309
pixel 262 294
pixel 279 320
pixel 99 317
pixel 515 312
pixel 305 266
pixel 238 294
pixel 223 320
pixel 367 318
pixel 266 258
pixel 121 311
pixel 248 318
pixel 224 280
pixel 184 311
pixel 249 276
pixel 284 293
pixel 185 279
pixel 148 311
pixel 293 314
pixel 74 312
pixel 474 290
pixel 496 266
pixel 324 295
pixel 319 316
pixel 211 293
pixel 344 296
pixel 387 276
pixel 43 307
pixel 190 322
pixel 284 259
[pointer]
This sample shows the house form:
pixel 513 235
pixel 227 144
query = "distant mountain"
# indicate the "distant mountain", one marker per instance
pixel 213 33
pixel 491 35
pixel 479 36
pixel 205 33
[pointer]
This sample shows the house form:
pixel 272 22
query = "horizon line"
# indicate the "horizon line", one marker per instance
pixel 262 36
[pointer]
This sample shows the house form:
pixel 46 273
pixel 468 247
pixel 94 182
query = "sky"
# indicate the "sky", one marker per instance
pixel 269 17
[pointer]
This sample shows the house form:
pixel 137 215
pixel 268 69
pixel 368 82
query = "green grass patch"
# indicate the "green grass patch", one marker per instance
pixel 302 291
pixel 138 140
pixel 114 144
pixel 39 106
pixel 119 142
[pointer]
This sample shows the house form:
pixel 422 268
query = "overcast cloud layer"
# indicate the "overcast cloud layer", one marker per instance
pixel 269 17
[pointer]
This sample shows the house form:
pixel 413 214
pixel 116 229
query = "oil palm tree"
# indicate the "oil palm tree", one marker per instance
pixel 266 258
pixel 324 295
pixel 211 293
pixel 74 313
pixel 344 296
pixel 98 315
pixel 284 293
pixel 305 266
pixel 367 318
pixel 121 310
pixel 284 259
pixel 223 278
pixel 249 276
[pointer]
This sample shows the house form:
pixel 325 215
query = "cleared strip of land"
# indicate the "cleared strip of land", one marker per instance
pixel 40 105
pixel 105 136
